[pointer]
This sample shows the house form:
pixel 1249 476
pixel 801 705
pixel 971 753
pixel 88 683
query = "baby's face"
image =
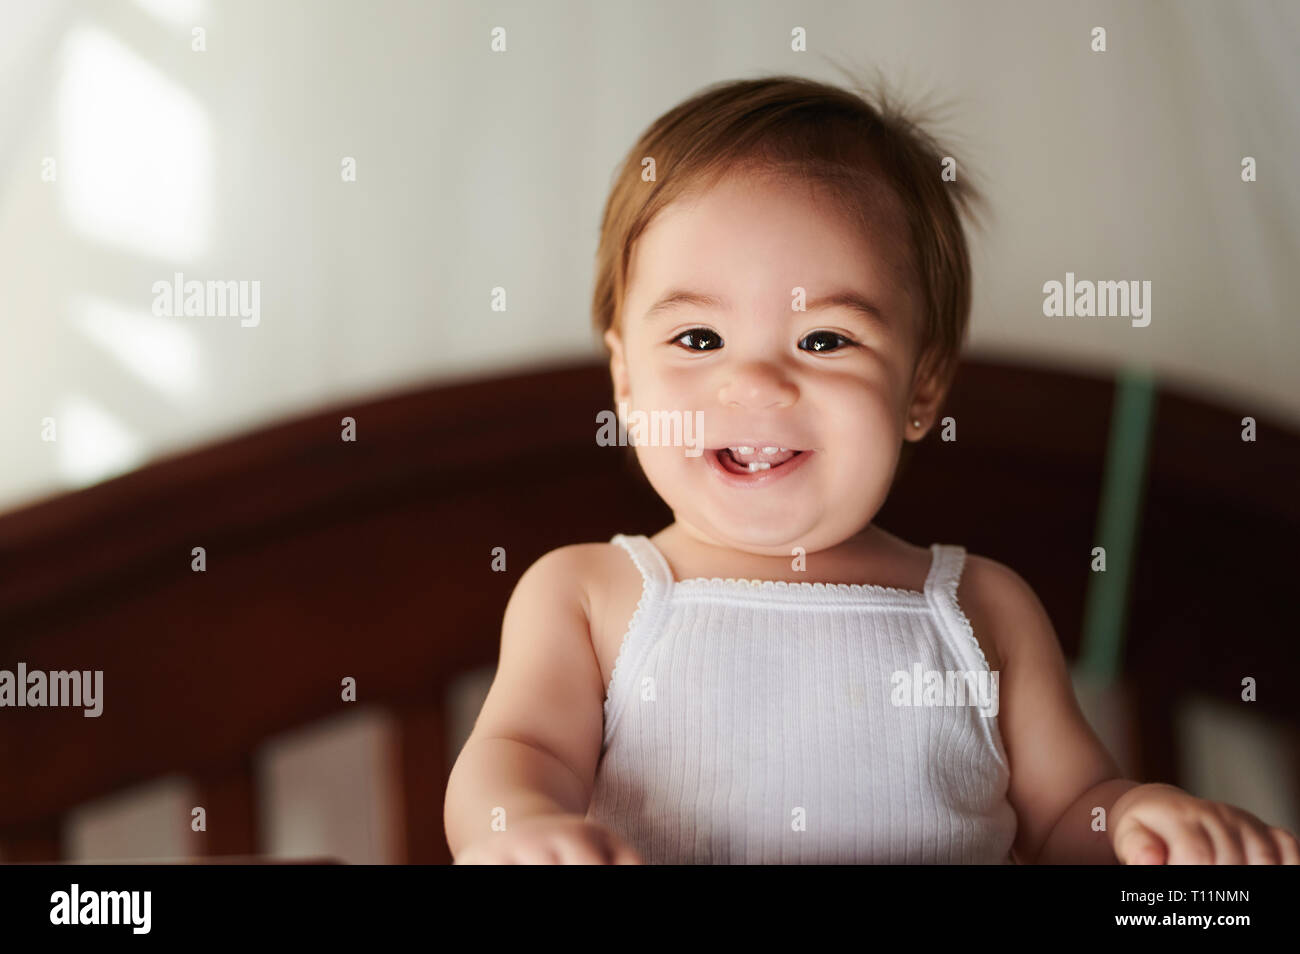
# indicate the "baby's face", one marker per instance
pixel 804 411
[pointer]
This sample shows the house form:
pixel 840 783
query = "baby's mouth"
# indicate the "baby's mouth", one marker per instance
pixel 752 460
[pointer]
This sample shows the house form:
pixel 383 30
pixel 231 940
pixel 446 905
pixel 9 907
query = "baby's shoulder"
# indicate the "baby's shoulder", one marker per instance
pixel 600 578
pixel 585 560
pixel 997 601
pixel 593 573
pixel 574 557
pixel 992 583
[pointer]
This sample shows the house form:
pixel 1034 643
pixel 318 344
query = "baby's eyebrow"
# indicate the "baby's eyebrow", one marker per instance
pixel 846 298
pixel 849 299
pixel 681 296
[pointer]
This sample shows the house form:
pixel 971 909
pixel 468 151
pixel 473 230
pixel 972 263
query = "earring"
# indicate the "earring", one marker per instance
pixel 915 422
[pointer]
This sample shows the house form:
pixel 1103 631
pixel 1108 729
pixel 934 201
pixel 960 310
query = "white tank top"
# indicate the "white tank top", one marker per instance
pixel 762 722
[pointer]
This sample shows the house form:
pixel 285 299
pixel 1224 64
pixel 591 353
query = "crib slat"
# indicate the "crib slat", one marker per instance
pixel 423 763
pixel 229 797
pixel 39 842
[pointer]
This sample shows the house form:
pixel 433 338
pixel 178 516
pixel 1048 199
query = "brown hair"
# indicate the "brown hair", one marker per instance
pixel 849 142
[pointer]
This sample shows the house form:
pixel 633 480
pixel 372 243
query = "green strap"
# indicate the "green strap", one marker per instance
pixel 1122 489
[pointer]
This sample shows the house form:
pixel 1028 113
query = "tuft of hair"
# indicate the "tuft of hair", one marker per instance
pixel 850 142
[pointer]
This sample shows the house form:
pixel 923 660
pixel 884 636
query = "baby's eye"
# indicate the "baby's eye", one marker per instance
pixel 699 339
pixel 824 341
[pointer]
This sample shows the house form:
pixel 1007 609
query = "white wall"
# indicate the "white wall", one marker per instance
pixel 478 169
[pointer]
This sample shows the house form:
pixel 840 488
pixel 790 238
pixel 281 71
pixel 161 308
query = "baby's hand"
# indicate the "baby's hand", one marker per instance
pixel 550 840
pixel 1161 824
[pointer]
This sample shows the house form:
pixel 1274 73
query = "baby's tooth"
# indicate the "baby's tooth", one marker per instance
pixel 784 449
pixel 745 450
pixel 759 465
pixel 769 450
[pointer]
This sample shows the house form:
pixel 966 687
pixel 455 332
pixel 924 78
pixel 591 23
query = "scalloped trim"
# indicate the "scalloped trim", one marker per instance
pixel 647 581
pixel 797 586
pixel 948 588
pixel 946 595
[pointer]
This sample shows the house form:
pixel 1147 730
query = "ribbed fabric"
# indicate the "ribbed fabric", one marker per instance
pixel 741 711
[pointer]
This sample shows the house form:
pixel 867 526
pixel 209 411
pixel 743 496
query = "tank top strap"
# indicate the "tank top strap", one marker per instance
pixel 941 592
pixel 655 573
pixel 946 563
pixel 642 629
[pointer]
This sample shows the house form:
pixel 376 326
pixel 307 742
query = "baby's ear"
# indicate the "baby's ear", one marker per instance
pixel 929 387
pixel 617 364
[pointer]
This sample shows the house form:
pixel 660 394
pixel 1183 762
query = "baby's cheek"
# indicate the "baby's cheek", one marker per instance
pixel 865 419
pixel 662 392
pixel 667 470
pixel 864 451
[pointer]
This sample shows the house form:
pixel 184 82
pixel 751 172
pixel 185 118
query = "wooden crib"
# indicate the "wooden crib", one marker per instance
pixel 325 557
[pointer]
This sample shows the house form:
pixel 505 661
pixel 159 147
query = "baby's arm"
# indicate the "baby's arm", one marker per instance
pixel 1059 768
pixel 532 754
pixel 1060 771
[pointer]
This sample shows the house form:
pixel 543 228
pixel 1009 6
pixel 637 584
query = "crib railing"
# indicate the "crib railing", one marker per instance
pixel 372 559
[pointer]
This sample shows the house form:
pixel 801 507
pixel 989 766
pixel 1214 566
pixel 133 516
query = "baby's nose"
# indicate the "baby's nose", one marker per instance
pixel 758 386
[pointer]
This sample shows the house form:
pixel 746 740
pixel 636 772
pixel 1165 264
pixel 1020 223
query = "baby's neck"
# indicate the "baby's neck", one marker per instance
pixel 872 556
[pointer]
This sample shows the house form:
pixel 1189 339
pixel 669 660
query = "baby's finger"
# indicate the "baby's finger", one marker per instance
pixel 1286 845
pixel 626 855
pixel 535 853
pixel 473 855
pixel 1225 837
pixel 1260 847
pixel 579 851
pixel 1136 844
pixel 1189 844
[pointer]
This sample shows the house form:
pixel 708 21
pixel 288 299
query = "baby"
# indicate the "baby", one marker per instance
pixel 774 678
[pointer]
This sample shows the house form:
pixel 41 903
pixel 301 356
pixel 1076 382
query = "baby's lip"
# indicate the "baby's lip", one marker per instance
pixel 760 455
pixel 759 446
pixel 755 466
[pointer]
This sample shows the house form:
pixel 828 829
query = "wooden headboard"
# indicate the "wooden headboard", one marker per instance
pixel 325 558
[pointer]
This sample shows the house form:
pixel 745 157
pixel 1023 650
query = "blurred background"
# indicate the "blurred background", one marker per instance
pixel 380 169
